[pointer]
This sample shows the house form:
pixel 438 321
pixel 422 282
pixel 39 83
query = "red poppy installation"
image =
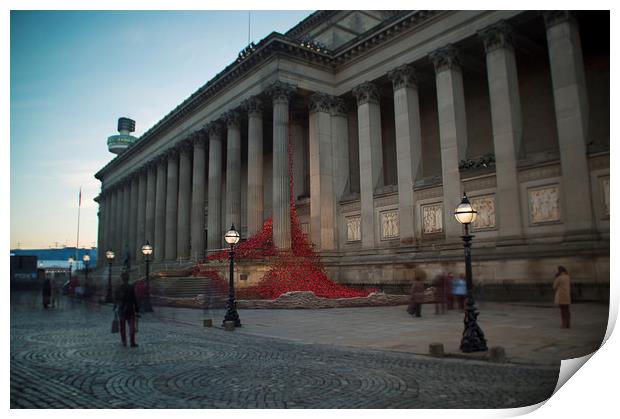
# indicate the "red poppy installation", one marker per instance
pixel 297 269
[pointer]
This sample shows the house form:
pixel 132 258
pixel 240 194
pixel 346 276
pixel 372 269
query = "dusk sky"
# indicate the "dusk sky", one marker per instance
pixel 73 74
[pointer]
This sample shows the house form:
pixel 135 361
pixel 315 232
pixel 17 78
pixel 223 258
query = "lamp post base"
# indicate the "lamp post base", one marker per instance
pixel 231 314
pixel 473 338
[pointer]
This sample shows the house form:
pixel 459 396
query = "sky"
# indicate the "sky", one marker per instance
pixel 74 73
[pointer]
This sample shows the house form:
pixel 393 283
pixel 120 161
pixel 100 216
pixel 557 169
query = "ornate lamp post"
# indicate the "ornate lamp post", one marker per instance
pixel 473 338
pixel 232 237
pixel 86 259
pixel 110 256
pixel 147 250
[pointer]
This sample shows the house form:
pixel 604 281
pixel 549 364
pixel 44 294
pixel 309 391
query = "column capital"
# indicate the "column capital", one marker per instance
pixel 403 76
pixel 281 91
pixel 554 17
pixel 198 137
pixel 232 118
pixel 445 58
pixel 497 35
pixel 150 163
pixel 365 93
pixel 215 129
pixel 186 145
pixel 162 158
pixel 320 102
pixel 253 106
pixel 172 152
pixel 339 106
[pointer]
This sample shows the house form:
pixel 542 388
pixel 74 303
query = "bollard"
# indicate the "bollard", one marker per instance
pixel 207 322
pixel 229 326
pixel 436 349
pixel 497 354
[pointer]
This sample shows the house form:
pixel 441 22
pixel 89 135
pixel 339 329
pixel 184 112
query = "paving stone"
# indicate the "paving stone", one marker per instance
pixel 68 358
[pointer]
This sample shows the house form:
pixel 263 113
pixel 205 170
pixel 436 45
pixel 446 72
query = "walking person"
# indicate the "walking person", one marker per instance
pixel 448 285
pixel 459 290
pixel 416 298
pixel 127 306
pixel 439 283
pixel 46 292
pixel 561 286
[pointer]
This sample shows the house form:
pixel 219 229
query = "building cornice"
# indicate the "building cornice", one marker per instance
pixel 274 45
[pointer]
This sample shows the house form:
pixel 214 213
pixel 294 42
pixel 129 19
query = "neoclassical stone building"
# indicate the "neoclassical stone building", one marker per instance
pixel 392 115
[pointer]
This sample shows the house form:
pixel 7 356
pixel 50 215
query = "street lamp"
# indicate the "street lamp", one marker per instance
pixel 473 338
pixel 86 259
pixel 147 250
pixel 70 260
pixel 110 256
pixel 232 237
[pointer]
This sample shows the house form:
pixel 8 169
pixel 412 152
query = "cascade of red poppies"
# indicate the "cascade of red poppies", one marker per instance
pixel 297 269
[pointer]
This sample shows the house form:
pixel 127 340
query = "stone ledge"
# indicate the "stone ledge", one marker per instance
pixel 292 300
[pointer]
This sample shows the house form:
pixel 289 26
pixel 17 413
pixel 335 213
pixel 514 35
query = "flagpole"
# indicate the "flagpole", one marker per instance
pixel 77 241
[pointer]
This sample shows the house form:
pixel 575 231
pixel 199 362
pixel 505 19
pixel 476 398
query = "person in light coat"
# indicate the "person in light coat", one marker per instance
pixel 561 286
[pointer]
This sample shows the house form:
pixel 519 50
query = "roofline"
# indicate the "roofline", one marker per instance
pixel 274 44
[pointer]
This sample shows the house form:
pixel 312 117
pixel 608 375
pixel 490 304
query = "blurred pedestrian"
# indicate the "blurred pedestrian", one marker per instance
pixel 561 286
pixel 459 290
pixel 127 305
pixel 416 298
pixel 46 292
pixel 439 284
pixel 449 296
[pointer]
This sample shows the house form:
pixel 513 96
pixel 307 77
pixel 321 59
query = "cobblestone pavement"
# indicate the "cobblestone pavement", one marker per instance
pixel 66 357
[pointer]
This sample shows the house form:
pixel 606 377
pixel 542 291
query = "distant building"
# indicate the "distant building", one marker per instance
pixel 23 267
pixel 58 257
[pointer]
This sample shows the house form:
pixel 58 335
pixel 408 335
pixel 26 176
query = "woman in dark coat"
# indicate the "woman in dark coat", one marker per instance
pixel 47 292
pixel 416 298
pixel 127 305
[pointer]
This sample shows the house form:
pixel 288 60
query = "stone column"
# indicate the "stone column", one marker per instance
pixel 408 147
pixel 281 94
pixel 100 219
pixel 571 112
pixel 371 156
pixel 104 209
pixel 214 219
pixel 133 218
pixel 233 171
pixel 125 216
pixel 322 199
pixel 105 206
pixel 149 217
pixel 119 223
pixel 507 125
pixel 172 204
pixel 452 132
pixel 198 196
pixel 112 229
pixel 159 245
pixel 340 147
pixel 185 200
pixel 141 218
pixel 255 165
pixel 299 154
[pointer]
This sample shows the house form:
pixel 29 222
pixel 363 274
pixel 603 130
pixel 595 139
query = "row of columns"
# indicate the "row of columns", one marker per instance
pixel 166 200
pixel 570 99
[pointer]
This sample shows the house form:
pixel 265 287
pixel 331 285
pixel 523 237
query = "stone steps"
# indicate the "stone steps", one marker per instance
pixel 188 287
